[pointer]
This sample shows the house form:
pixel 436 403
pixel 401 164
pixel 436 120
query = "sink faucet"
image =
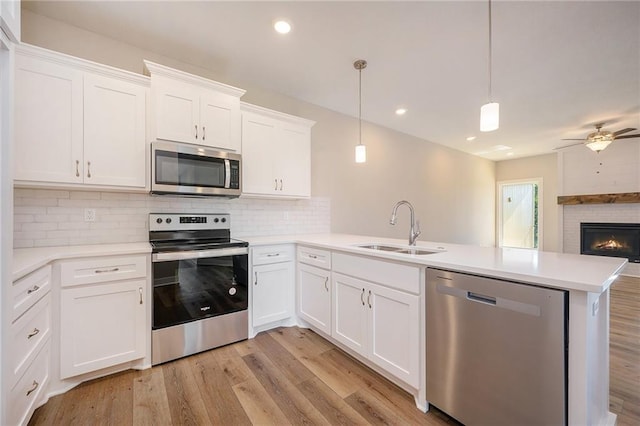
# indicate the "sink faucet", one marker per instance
pixel 415 228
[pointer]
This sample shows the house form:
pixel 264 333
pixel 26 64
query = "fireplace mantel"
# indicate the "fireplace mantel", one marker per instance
pixel 623 197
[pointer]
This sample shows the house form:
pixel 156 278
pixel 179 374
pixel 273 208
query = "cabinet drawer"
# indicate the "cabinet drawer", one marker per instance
pixel 316 257
pixel 97 270
pixel 28 392
pixel 28 334
pixel 394 275
pixel 28 290
pixel 272 254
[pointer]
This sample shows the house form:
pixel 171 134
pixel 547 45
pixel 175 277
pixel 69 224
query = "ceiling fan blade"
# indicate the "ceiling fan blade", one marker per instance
pixel 567 146
pixel 619 132
pixel 628 136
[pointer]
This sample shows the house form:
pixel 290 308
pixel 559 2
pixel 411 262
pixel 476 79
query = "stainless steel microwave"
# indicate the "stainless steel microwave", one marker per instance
pixel 194 171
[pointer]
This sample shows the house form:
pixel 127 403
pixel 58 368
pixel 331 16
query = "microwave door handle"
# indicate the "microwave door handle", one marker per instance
pixel 227 173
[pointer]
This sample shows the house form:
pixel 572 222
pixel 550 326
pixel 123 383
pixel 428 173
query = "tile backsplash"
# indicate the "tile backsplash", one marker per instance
pixel 44 217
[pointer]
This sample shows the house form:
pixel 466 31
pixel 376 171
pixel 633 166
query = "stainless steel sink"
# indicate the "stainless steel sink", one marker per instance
pixel 404 250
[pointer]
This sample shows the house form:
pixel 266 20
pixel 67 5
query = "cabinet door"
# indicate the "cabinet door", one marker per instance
pixel 258 135
pixel 48 122
pixel 177 109
pixel 272 292
pixel 314 296
pixel 394 324
pixel 114 132
pixel 102 325
pixel 220 121
pixel 349 325
pixel 293 162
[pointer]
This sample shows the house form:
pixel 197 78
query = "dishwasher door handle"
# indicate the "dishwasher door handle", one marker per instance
pixel 477 297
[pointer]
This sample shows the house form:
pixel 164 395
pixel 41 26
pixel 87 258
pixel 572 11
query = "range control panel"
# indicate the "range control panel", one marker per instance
pixel 178 221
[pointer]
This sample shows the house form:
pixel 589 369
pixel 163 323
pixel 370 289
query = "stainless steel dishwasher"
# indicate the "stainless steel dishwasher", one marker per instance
pixel 496 350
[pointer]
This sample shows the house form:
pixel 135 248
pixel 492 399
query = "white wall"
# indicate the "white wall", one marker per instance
pixel 453 192
pixel 545 167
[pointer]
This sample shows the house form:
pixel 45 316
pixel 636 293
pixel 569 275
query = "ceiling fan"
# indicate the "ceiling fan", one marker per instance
pixel 600 139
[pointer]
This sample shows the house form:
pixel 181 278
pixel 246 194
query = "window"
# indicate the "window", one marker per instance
pixel 520 214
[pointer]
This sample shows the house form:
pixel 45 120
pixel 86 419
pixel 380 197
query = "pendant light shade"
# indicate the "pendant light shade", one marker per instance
pixel 489 117
pixel 490 112
pixel 361 150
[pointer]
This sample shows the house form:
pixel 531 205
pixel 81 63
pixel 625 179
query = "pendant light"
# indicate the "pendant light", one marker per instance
pixel 361 150
pixel 490 112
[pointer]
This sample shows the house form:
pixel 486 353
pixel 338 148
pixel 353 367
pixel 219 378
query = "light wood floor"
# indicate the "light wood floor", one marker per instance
pixel 624 349
pixel 293 376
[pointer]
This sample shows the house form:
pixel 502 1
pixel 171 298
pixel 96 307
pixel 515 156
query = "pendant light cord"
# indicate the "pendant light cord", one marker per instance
pixel 490 77
pixel 360 106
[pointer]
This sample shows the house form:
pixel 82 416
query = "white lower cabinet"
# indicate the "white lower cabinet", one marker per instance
pixel 314 296
pixel 272 284
pixel 379 323
pixel 28 393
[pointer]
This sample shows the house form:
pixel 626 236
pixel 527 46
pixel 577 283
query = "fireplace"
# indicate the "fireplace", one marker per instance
pixel 611 239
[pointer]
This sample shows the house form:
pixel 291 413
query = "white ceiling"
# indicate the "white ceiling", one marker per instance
pixel 558 66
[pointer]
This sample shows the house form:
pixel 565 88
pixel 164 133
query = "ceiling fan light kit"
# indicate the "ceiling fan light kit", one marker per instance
pixel 361 150
pixel 489 112
pixel 600 139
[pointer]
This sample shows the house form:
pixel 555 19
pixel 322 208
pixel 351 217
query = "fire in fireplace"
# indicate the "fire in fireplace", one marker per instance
pixel 611 239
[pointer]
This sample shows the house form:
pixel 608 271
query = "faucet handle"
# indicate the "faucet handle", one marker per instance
pixel 417 231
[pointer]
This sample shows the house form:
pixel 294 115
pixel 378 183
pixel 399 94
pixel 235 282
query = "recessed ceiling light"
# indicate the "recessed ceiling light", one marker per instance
pixel 501 148
pixel 509 154
pixel 401 111
pixel 283 27
pixel 470 138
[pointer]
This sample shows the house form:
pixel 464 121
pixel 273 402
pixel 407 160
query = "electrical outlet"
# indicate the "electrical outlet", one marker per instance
pixel 89 215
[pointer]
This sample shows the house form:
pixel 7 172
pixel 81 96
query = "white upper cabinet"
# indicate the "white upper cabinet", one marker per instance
pixel 276 154
pixel 10 19
pixel 77 122
pixel 191 109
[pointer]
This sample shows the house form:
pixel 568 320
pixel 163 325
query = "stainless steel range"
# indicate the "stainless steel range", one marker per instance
pixel 200 280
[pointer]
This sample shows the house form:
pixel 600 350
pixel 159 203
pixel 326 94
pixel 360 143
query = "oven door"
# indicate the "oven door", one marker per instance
pixel 192 285
pixel 193 170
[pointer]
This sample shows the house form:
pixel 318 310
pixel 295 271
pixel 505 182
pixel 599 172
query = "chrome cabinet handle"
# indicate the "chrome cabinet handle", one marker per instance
pixel 33 333
pixel 362 297
pixel 280 184
pixel 256 281
pixel 273 254
pixel 204 129
pixel 33 289
pixel 88 169
pixel 34 386
pixel 196 131
pixel 77 168
pixel 140 290
pixel 101 271
pixel 313 256
pixel 326 281
pixel 369 299
pixel 276 185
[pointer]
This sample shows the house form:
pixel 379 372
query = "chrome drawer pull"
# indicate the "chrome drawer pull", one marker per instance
pixel 196 131
pixel 34 386
pixel 256 281
pixel 369 299
pixel 273 254
pixel 88 169
pixel 101 271
pixel 77 169
pixel 276 187
pixel 362 297
pixel 204 129
pixel 313 256
pixel 33 289
pixel 140 290
pixel 33 333
pixel 280 184
pixel 326 280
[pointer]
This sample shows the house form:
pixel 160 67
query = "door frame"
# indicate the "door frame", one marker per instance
pixel 499 185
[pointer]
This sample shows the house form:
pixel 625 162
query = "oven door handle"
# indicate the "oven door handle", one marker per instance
pixel 198 254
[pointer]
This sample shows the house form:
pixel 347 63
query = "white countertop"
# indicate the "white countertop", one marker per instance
pixel 26 260
pixel 557 270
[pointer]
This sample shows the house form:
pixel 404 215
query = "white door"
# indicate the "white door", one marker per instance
pixel 102 325
pixel 519 214
pixel 10 16
pixel 293 164
pixel 395 332
pixel 349 324
pixel 314 297
pixel 220 121
pixel 48 122
pixel 273 288
pixel 114 132
pixel 177 111
pixel 258 135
